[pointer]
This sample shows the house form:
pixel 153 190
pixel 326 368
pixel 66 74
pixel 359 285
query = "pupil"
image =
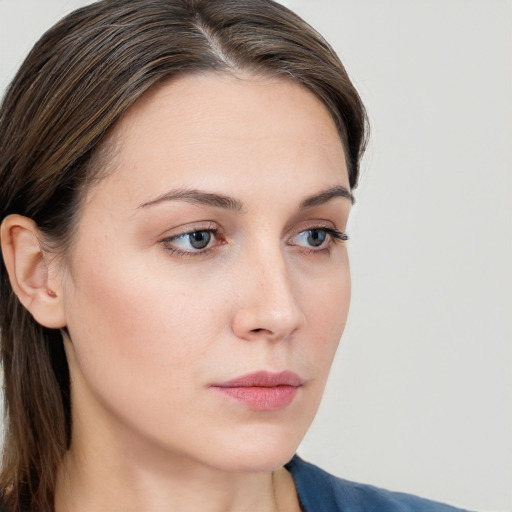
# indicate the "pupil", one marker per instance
pixel 200 239
pixel 316 237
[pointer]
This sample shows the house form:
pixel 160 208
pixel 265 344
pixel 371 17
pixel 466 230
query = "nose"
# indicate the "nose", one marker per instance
pixel 269 305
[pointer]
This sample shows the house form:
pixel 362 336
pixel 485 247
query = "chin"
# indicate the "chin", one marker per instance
pixel 257 461
pixel 260 451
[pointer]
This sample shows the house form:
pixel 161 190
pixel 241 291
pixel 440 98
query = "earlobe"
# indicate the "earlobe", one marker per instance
pixel 28 271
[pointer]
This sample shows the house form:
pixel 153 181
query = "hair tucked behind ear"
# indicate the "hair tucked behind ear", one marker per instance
pixel 77 81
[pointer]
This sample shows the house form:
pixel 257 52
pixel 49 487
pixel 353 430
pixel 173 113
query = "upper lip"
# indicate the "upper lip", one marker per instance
pixel 263 379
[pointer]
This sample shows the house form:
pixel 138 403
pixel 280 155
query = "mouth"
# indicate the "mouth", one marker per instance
pixel 262 391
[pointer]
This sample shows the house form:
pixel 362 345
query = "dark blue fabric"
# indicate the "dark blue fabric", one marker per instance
pixel 321 492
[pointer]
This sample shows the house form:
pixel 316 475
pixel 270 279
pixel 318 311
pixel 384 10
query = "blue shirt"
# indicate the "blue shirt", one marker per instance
pixel 321 492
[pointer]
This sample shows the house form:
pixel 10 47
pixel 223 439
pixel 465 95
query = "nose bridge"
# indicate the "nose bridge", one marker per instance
pixel 269 303
pixel 272 277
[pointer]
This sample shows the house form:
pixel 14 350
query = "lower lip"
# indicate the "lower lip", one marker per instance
pixel 261 398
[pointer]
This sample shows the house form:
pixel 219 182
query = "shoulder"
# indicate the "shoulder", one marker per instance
pixel 321 492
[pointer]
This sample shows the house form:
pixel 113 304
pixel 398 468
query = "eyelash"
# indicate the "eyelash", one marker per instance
pixel 333 234
pixel 167 242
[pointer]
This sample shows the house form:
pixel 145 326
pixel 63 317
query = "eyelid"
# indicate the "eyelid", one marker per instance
pixel 166 240
pixel 191 227
pixel 332 232
pixel 315 224
pixel 334 235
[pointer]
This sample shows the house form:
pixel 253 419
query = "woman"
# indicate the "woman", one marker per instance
pixel 177 177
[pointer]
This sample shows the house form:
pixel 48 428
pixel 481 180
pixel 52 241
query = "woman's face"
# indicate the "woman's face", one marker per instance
pixel 211 251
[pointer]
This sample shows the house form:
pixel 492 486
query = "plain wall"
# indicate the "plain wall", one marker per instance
pixel 420 397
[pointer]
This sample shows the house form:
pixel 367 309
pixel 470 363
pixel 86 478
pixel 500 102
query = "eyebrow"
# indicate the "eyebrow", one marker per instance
pixel 199 197
pixel 325 196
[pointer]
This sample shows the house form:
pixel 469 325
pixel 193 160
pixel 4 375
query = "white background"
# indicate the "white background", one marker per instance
pixel 420 397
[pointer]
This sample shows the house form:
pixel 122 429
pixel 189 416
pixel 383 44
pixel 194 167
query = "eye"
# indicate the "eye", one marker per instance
pixel 315 237
pixel 318 238
pixel 191 243
pixel 198 239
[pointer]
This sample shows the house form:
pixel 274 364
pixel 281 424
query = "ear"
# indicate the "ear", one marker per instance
pixel 28 269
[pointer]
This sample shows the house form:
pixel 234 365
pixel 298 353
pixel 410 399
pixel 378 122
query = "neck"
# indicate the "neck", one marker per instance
pixel 129 486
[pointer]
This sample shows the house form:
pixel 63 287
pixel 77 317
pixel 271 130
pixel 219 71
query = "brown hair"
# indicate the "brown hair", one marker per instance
pixel 73 86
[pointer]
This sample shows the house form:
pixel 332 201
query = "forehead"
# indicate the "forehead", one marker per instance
pixel 220 129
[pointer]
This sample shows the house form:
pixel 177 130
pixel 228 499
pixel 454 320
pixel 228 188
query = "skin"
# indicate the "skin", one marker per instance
pixel 153 322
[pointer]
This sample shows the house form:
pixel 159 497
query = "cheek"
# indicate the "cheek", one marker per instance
pixel 132 323
pixel 326 306
pixel 331 318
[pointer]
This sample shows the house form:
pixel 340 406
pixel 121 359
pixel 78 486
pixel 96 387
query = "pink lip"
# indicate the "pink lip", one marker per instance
pixel 262 391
